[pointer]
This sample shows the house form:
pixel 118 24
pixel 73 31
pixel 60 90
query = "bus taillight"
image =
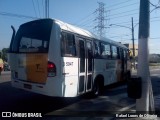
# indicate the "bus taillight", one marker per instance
pixel 51 69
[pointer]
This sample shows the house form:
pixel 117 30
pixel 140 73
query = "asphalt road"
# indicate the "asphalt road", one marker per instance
pixel 113 99
pixel 155 77
pixel 17 100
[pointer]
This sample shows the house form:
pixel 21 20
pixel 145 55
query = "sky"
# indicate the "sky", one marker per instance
pixel 84 14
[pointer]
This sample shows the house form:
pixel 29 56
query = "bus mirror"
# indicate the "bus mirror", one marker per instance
pixel 13 35
pixel 134 87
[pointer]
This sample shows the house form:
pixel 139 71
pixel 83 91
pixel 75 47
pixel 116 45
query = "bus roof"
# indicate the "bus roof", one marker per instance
pixel 77 30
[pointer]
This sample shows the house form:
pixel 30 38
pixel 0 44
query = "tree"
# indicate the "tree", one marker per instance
pixel 0 54
pixel 4 54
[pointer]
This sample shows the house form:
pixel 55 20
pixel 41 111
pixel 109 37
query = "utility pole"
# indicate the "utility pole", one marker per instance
pixel 133 44
pixel 47 8
pixel 146 102
pixel 133 38
pixel 132 30
pixel 101 19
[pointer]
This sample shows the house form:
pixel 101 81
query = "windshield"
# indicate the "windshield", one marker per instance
pixel 33 36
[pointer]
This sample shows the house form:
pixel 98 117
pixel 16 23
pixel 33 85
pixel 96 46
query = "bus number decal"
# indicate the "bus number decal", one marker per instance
pixel 69 63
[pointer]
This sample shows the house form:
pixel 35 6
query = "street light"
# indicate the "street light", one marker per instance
pixel 119 26
pixel 132 30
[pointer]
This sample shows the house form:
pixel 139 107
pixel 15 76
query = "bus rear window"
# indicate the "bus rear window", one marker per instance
pixel 33 36
pixel 32 45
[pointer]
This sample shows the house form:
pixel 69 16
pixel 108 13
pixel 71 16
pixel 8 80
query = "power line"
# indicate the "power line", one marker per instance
pixel 133 10
pixel 118 4
pixel 125 15
pixel 43 7
pixel 86 23
pixel 47 8
pixel 152 20
pixel 120 13
pixel 114 9
pixel 156 6
pixel 83 19
pixel 38 8
pixel 34 8
pixel 17 15
pixel 122 23
pixel 155 38
pixel 123 6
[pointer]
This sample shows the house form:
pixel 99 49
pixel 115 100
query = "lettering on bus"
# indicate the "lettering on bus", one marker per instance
pixel 110 64
pixel 39 68
pixel 69 64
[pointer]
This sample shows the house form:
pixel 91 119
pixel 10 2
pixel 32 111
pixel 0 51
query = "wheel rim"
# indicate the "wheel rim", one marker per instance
pixel 96 89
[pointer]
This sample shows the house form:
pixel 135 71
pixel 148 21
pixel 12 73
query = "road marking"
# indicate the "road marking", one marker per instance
pixel 154 69
pixel 126 108
pixel 155 74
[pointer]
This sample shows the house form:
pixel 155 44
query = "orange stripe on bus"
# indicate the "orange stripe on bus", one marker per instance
pixel 36 67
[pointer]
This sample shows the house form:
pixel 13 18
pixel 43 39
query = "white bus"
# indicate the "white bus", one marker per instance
pixel 54 58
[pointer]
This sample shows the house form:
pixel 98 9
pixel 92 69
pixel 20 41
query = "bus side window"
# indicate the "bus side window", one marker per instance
pixel 81 49
pixel 105 50
pixel 68 44
pixel 114 52
pixel 118 52
pixel 121 53
pixel 97 51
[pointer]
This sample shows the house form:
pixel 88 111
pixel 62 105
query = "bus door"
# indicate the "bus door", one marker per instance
pixel 124 63
pixel 85 66
pixel 89 67
pixel 122 59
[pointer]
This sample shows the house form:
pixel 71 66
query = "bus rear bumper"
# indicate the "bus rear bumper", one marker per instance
pixel 37 88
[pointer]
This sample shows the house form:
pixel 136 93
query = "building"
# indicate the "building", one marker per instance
pixel 130 46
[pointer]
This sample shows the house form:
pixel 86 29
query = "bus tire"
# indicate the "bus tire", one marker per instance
pixel 96 90
pixel 98 87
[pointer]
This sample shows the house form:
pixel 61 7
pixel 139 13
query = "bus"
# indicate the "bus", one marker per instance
pixel 53 58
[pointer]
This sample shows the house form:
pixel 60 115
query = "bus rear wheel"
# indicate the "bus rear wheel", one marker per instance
pixel 97 89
